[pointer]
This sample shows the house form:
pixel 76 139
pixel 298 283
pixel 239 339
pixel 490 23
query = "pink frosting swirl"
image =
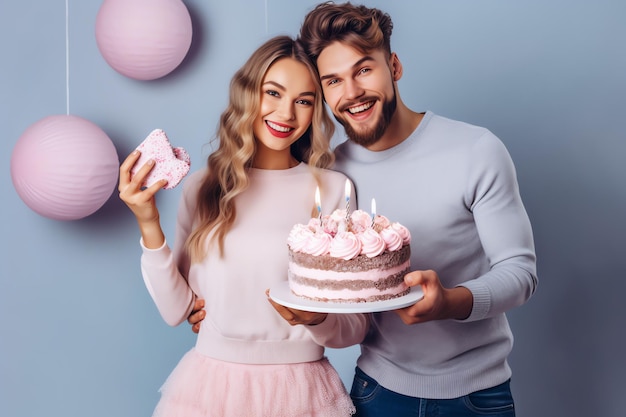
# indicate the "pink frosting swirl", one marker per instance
pixel 298 237
pixel 381 223
pixel 392 239
pixel 317 244
pixel 371 243
pixel 343 238
pixel 403 231
pixel 315 224
pixel 345 246
pixel 338 215
pixel 360 221
pixel 330 225
pixel 339 218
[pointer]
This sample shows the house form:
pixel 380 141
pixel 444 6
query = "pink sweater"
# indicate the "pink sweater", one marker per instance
pixel 241 326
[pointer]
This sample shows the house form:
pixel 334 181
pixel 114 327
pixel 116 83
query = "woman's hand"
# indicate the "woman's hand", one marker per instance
pixel 294 317
pixel 141 200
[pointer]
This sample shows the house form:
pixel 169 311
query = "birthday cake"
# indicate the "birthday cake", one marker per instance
pixel 353 259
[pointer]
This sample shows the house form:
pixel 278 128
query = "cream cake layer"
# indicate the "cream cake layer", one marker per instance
pixel 347 295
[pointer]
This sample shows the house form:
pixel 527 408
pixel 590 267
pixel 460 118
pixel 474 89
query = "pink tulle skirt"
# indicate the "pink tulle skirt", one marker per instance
pixel 201 386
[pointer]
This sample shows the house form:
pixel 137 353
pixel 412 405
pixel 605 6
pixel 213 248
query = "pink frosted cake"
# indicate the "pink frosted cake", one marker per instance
pixel 171 163
pixel 339 259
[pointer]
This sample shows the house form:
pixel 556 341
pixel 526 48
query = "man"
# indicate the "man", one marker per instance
pixel 454 186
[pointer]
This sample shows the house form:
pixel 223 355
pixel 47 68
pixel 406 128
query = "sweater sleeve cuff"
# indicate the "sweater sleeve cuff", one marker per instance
pixel 155 256
pixel 321 331
pixel 481 300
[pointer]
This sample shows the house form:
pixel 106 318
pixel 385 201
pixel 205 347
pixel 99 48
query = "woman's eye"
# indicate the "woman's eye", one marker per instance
pixel 272 93
pixel 305 102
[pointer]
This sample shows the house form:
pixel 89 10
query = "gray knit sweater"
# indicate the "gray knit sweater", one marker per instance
pixel 455 187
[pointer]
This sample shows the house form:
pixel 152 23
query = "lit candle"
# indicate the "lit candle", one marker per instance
pixel 347 191
pixel 318 202
pixel 373 210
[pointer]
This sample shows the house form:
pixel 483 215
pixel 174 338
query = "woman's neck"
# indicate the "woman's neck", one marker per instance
pixel 274 161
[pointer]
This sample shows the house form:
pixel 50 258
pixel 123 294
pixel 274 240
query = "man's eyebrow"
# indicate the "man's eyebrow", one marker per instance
pixel 354 66
pixel 281 87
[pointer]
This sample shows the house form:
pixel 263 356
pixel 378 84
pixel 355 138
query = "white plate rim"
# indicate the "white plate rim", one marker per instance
pixel 282 295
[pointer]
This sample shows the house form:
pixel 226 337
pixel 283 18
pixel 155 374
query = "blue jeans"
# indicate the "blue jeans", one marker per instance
pixel 372 400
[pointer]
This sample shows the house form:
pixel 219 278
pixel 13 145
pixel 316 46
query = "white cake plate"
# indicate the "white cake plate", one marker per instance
pixel 281 294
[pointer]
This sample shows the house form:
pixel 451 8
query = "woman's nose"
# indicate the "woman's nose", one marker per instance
pixel 286 110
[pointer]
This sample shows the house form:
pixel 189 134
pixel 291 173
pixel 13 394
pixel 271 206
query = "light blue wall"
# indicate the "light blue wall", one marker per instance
pixel 79 335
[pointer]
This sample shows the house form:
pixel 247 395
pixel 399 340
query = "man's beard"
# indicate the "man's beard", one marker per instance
pixel 371 136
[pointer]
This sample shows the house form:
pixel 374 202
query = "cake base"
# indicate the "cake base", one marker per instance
pixel 371 299
pixel 281 294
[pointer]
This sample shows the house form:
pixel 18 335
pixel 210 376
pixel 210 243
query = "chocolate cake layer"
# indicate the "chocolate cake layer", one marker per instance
pixel 360 263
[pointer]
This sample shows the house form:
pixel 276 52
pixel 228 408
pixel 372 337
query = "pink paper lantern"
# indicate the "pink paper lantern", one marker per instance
pixel 64 167
pixel 143 39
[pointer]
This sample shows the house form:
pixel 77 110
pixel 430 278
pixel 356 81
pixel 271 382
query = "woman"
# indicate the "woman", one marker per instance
pixel 230 245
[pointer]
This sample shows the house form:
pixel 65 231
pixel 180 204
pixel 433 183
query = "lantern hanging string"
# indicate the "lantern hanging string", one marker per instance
pixel 67 57
pixel 266 22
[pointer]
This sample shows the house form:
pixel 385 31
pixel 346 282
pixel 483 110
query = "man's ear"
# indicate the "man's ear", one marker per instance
pixel 395 66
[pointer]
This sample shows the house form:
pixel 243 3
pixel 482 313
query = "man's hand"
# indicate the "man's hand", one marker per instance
pixel 293 316
pixel 197 315
pixel 438 303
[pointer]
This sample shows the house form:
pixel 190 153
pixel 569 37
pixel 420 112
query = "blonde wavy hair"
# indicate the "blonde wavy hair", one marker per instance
pixel 227 174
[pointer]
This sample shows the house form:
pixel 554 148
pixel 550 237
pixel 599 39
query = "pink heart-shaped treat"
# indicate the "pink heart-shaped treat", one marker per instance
pixel 171 164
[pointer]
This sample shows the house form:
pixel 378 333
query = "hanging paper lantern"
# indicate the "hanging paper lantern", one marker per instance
pixel 143 39
pixel 64 167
